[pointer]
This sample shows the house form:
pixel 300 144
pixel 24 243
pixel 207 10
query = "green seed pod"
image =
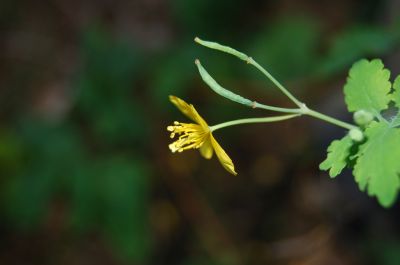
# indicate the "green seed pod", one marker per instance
pixel 219 89
pixel 363 117
pixel 356 135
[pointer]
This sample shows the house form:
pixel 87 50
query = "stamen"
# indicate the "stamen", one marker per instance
pixel 191 136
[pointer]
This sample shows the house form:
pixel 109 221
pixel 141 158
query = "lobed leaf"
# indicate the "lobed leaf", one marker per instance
pixel 368 87
pixel 396 92
pixel 377 168
pixel 338 153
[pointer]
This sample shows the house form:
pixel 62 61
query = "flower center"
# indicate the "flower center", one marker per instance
pixel 191 136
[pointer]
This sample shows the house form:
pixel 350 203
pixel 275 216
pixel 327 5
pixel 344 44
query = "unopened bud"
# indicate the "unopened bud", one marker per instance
pixel 363 117
pixel 356 135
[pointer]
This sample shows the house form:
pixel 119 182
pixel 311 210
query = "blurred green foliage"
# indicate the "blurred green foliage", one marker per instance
pixel 105 85
pixel 385 252
pixel 207 17
pixel 355 43
pixel 96 163
pixel 172 73
pixel 288 47
pixel 76 164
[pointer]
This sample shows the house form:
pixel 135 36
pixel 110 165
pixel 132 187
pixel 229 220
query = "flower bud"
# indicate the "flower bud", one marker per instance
pixel 356 135
pixel 363 117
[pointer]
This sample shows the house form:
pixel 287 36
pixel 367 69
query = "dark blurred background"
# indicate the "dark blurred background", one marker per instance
pixel 86 174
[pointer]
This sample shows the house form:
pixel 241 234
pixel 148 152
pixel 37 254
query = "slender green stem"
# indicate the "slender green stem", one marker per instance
pixel 329 119
pixel 216 87
pixel 252 120
pixel 273 80
pixel 297 112
pixel 301 110
pixel 249 60
pixel 256 105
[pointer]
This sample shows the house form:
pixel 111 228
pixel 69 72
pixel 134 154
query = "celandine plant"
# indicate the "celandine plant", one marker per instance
pixel 371 147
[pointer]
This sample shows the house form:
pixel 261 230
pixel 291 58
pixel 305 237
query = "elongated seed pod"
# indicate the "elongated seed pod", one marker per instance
pixel 219 89
pixel 223 48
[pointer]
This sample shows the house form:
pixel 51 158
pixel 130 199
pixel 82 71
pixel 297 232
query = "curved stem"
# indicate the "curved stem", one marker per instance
pixel 249 60
pixel 252 120
pixel 301 110
pixel 273 80
pixel 217 88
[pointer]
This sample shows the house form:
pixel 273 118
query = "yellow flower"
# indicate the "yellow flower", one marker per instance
pixel 196 135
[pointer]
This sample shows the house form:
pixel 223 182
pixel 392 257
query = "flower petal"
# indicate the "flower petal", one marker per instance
pixel 222 156
pixel 206 149
pixel 188 110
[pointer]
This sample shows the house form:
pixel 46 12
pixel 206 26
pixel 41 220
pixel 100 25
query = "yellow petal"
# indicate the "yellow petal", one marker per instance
pixel 222 156
pixel 188 110
pixel 206 149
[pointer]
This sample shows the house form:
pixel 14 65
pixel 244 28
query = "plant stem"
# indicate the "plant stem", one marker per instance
pixel 249 60
pixel 328 119
pixel 217 88
pixel 272 108
pixel 301 110
pixel 296 113
pixel 253 120
pixel 273 80
pixel 304 110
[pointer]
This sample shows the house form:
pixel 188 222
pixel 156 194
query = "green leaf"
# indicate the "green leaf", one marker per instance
pixel 396 93
pixel 338 153
pixel 377 168
pixel 368 87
